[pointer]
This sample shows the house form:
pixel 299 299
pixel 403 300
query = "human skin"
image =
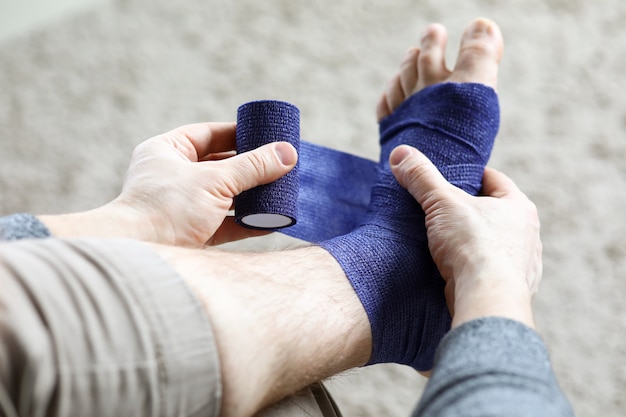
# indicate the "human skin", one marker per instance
pixel 179 188
pixel 284 320
pixel 469 288
pixel 492 264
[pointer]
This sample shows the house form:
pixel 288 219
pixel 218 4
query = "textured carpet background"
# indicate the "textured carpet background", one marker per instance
pixel 78 95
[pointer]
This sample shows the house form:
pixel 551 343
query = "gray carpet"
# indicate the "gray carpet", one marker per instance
pixel 78 95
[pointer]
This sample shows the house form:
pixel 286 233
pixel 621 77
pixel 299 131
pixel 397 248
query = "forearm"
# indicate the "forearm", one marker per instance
pixel 100 328
pixel 492 367
pixel 109 221
pixel 112 220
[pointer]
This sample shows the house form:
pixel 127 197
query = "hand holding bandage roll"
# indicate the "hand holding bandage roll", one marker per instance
pixel 325 195
pixel 275 205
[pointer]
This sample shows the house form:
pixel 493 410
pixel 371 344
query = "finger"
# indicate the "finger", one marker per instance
pixel 197 141
pixel 218 156
pixel 415 172
pixel 259 166
pixel 497 184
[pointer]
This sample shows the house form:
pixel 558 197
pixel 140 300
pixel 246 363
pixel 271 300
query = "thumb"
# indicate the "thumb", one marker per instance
pixel 259 166
pixel 415 172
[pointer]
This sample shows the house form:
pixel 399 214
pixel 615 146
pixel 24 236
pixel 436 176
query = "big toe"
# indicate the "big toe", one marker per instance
pixel 479 55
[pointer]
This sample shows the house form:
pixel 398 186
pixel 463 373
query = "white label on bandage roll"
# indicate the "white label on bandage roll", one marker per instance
pixel 267 220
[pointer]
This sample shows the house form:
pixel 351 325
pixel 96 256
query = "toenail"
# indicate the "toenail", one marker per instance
pixel 480 28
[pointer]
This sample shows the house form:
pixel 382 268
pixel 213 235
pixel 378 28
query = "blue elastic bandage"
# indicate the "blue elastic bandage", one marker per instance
pixel 382 244
pixel 274 205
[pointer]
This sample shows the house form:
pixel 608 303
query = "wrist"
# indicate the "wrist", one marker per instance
pixel 492 292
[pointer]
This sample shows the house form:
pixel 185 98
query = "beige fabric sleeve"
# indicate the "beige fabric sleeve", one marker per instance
pixel 101 328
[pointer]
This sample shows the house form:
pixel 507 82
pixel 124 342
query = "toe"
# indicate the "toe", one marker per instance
pixel 408 72
pixel 382 109
pixel 480 54
pixel 401 86
pixel 431 62
pixel 393 97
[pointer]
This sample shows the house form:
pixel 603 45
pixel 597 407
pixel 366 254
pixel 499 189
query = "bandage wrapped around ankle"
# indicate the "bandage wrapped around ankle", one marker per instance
pixel 386 258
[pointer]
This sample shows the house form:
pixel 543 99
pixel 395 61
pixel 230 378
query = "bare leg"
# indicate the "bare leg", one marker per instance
pixel 282 320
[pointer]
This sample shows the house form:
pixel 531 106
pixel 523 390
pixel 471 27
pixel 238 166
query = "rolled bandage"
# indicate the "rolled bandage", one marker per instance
pixel 275 205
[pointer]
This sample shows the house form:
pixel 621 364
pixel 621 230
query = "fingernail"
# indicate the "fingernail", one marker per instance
pixel 399 154
pixel 286 153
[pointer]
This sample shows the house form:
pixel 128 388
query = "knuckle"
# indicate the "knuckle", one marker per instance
pixel 257 164
pixel 418 173
pixel 414 175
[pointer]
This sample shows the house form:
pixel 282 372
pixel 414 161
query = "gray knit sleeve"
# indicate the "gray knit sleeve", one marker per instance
pixel 493 367
pixel 22 226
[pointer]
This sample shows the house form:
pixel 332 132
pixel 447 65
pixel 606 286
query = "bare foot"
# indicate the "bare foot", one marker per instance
pixel 479 56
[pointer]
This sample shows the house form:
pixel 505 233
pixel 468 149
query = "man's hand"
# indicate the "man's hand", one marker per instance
pixel 180 187
pixel 487 248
